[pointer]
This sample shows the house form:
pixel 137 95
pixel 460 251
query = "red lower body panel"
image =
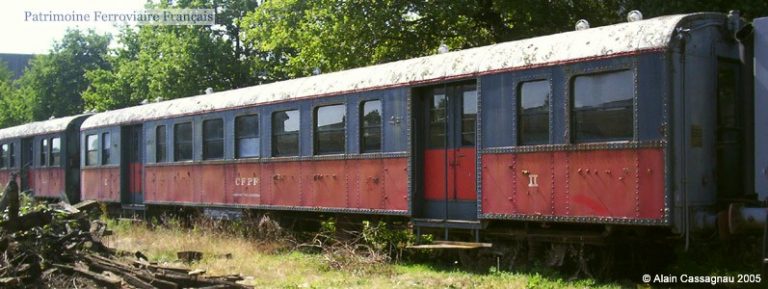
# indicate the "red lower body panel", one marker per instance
pixel 47 182
pixel 5 176
pixel 378 184
pixel 597 183
pixel 101 184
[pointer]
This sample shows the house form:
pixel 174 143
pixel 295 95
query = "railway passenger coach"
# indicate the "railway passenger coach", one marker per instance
pixel 646 124
pixel 45 155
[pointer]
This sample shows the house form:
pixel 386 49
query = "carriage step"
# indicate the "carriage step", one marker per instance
pixel 451 245
pixel 441 223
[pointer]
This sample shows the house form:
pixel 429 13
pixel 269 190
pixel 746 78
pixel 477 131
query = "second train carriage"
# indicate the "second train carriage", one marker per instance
pixel 45 156
pixel 642 123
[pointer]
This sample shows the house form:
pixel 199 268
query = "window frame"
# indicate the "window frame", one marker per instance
pixel 362 128
pixel 92 162
pixel 206 140
pixel 161 144
pixel 190 142
pixel 11 155
pixel 316 132
pixel 43 152
pixel 571 98
pixel 239 137
pixel 275 135
pixel 4 159
pixel 105 149
pixel 519 109
pixel 51 159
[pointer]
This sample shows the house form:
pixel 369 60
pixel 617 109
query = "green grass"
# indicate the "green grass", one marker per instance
pixel 274 264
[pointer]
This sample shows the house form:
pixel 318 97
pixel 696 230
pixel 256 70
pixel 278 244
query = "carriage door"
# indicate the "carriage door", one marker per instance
pixel 132 165
pixel 449 152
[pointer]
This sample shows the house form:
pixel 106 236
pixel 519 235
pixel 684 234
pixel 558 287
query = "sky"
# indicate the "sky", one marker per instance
pixel 19 33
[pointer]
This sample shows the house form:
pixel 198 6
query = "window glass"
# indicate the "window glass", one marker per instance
pixel 533 112
pixel 160 144
pixel 285 133
pixel 55 152
pixel 247 136
pixel 437 119
pixel 182 142
pixel 43 152
pixel 213 139
pixel 106 149
pixel 370 126
pixel 330 122
pixel 4 156
pixel 468 115
pixel 92 150
pixel 602 107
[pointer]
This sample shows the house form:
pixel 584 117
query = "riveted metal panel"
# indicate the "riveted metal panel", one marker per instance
pixel 369 192
pixel 499 178
pixel 101 183
pixel 286 183
pixel 213 183
pixel 650 184
pixel 603 184
pixel 396 184
pixel 243 183
pixel 533 191
pixel 651 72
pixel 325 184
pixel 49 182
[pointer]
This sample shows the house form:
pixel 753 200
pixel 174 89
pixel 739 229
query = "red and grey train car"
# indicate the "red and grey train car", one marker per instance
pixel 45 156
pixel 645 124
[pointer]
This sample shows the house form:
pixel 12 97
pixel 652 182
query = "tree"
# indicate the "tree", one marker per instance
pixel 298 36
pixel 166 62
pixel 53 84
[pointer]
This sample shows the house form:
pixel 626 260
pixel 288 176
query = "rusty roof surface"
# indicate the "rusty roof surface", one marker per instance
pixel 39 127
pixel 595 42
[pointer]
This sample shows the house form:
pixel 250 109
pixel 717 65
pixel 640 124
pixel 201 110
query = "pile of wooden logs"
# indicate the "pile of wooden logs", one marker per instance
pixel 59 246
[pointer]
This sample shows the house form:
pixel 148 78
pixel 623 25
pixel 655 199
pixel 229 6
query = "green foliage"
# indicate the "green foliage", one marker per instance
pixel 385 239
pixel 52 85
pixel 156 63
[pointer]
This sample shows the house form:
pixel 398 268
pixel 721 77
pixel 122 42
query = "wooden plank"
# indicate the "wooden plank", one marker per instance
pixel 451 245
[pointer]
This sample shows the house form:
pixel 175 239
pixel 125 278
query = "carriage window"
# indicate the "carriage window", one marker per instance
pixel 12 153
pixel 602 106
pixel 91 156
pixel 285 133
pixel 468 115
pixel 437 119
pixel 160 148
pixel 370 126
pixel 55 152
pixel 213 139
pixel 533 112
pixel 43 152
pixel 106 148
pixel 182 142
pixel 330 122
pixel 4 156
pixel 247 136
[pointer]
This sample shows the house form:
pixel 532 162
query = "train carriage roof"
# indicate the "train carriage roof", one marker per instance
pixel 624 38
pixel 39 127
